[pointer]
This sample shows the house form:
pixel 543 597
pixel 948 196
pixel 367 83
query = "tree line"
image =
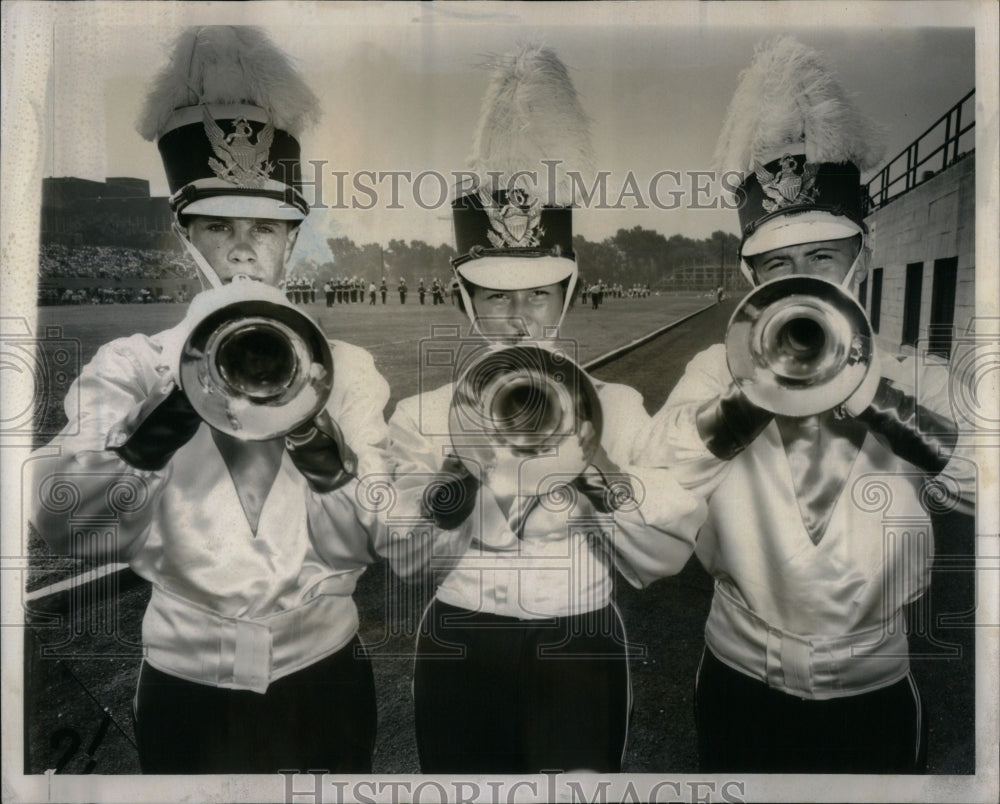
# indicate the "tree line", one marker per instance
pixel 630 256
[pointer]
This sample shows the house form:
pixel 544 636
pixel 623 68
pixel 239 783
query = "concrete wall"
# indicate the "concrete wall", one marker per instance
pixel 933 221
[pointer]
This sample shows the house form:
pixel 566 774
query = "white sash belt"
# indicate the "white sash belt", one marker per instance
pixel 813 667
pixel 203 646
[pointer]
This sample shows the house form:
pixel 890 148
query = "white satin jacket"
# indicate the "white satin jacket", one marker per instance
pixel 230 607
pixel 816 620
pixel 560 565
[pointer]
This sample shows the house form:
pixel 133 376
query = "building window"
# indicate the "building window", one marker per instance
pixel 876 313
pixel 911 303
pixel 942 306
pixel 863 293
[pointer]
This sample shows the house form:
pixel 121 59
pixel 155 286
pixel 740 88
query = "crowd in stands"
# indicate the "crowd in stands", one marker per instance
pixel 112 275
pixel 104 295
pixel 112 262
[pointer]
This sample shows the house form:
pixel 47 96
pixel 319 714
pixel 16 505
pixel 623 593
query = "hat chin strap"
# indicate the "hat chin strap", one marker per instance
pixel 848 279
pixel 470 311
pixel 205 271
pixel 570 289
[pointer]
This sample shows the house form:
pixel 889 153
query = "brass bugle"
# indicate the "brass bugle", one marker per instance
pixel 523 414
pixel 253 366
pixel 799 345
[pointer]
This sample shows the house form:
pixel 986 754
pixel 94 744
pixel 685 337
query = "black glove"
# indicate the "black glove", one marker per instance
pixel 451 495
pixel 920 436
pixel 604 483
pixel 320 453
pixel 730 423
pixel 606 493
pixel 163 424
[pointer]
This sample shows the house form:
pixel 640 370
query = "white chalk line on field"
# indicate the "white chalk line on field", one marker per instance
pixel 75 580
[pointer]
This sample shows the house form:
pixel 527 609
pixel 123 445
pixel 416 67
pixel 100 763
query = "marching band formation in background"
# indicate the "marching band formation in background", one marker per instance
pixel 352 290
pixel 527 491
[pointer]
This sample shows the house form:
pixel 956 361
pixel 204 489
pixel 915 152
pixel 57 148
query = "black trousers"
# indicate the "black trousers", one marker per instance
pixel 320 718
pixel 746 726
pixel 500 695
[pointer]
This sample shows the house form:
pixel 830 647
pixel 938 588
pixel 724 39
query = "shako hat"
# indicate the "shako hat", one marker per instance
pixel 226 112
pixel 800 144
pixel 514 225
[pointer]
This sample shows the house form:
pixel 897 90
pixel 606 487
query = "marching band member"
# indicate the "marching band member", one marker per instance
pixel 806 665
pixel 252 661
pixel 521 657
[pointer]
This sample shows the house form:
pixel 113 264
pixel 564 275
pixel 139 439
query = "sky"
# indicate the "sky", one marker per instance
pixel 400 89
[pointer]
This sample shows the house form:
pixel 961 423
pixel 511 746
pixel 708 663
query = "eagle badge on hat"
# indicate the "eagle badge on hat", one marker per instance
pixel 516 222
pixel 787 185
pixel 243 162
pixel 226 113
pixel 800 143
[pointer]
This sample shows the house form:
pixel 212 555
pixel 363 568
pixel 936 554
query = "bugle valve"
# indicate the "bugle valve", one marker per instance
pixel 799 345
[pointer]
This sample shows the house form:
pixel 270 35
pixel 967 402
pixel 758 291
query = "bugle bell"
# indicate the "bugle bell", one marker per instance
pixel 253 366
pixel 523 414
pixel 799 345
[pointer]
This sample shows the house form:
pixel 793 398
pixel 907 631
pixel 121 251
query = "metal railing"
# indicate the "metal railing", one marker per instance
pixel 904 172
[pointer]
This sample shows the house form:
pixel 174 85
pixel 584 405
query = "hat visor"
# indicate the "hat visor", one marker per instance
pixel 797 228
pixel 243 206
pixel 516 273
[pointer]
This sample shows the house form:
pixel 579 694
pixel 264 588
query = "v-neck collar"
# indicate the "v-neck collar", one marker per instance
pixel 253 468
pixel 821 451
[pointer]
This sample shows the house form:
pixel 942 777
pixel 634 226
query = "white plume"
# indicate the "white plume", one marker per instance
pixel 228 64
pixel 531 113
pixel 789 95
